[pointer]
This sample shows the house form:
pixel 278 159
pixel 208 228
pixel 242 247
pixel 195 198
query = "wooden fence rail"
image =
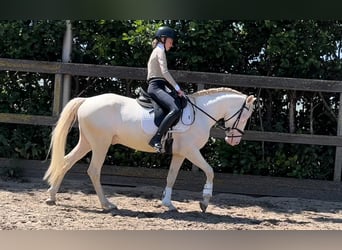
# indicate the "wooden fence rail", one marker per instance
pixel 229 80
pixel 181 76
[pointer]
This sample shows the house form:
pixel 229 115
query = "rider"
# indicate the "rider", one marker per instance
pixel 159 78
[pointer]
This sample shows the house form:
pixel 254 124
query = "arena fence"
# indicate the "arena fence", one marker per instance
pixel 60 69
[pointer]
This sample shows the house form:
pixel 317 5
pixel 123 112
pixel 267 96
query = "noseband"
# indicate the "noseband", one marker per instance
pixel 235 124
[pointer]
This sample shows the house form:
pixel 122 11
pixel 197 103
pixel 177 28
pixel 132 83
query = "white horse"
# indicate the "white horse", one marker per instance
pixel 110 119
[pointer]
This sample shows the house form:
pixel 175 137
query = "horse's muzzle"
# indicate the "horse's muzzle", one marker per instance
pixel 233 140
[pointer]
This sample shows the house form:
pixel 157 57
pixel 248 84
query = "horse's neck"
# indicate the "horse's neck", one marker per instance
pixel 217 105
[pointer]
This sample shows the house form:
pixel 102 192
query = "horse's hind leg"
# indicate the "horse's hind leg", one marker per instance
pixel 80 150
pixel 94 172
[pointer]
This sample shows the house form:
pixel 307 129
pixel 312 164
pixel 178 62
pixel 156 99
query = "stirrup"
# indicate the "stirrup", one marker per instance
pixel 157 146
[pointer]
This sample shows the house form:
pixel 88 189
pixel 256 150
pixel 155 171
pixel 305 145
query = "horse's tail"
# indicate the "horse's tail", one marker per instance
pixel 58 139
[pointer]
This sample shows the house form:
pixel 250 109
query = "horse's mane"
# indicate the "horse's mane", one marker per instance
pixel 215 90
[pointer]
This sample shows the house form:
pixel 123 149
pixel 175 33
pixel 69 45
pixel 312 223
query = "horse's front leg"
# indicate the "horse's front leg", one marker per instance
pixel 196 158
pixel 175 165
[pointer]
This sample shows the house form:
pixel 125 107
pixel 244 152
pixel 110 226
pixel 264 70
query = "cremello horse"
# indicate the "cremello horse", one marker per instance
pixel 110 119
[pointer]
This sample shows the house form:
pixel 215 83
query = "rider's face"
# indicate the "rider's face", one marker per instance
pixel 168 43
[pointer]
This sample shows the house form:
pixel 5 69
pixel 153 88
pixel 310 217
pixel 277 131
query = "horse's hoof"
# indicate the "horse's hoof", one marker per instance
pixel 113 211
pixel 203 206
pixel 109 209
pixel 50 202
pixel 172 209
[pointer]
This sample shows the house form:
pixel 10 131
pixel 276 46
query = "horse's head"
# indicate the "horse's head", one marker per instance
pixel 235 124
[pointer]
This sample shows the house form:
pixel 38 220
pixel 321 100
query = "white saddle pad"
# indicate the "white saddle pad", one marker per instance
pixel 147 120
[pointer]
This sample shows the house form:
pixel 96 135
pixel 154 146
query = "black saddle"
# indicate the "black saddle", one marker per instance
pixel 146 101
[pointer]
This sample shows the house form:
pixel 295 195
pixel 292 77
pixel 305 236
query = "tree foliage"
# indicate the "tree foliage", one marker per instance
pixel 283 48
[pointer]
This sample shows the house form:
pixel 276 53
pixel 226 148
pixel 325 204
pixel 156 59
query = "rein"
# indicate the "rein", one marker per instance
pixel 235 124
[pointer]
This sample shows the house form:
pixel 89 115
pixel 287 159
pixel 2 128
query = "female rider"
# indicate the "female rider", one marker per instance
pixel 159 78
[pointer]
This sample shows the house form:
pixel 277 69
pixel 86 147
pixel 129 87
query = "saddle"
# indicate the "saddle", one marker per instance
pixel 146 101
pixel 150 106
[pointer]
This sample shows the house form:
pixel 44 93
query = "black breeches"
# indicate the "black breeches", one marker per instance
pixel 156 89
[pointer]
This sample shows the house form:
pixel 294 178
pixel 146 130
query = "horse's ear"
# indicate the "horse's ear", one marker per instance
pixel 250 99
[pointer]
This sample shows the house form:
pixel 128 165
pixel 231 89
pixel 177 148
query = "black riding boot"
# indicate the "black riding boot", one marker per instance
pixel 155 142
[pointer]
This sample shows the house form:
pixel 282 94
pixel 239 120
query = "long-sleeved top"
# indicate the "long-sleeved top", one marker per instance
pixel 157 66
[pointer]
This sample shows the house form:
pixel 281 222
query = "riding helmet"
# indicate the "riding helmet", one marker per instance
pixel 165 31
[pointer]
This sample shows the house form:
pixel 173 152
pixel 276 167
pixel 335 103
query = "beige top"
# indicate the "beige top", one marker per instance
pixel 157 66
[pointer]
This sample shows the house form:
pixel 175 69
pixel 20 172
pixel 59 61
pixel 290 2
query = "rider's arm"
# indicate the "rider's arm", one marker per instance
pixel 164 70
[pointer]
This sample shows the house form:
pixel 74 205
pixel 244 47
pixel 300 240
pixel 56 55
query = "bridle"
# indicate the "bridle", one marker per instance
pixel 235 124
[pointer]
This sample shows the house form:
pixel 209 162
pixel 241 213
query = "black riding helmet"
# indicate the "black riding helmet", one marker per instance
pixel 165 31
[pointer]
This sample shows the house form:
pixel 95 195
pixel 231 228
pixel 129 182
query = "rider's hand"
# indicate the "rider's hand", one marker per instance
pixel 180 93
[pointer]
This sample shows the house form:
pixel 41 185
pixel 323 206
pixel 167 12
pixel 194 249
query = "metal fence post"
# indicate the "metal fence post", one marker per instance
pixel 67 46
pixel 61 94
